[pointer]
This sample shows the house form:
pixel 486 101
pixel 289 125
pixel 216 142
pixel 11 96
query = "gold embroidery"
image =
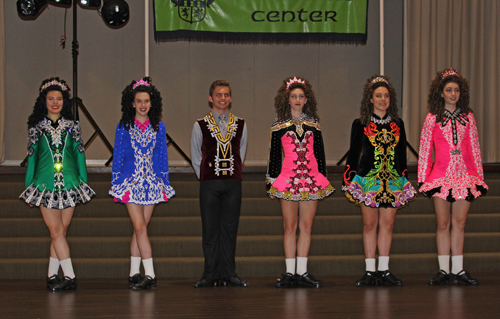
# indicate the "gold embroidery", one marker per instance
pixel 224 160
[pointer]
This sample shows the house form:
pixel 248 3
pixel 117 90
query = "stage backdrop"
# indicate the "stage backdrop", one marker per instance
pixel 262 20
pixel 183 70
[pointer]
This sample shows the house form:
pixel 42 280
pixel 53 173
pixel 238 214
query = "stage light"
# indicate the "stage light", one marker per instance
pixel 30 8
pixel 90 3
pixel 115 12
pixel 61 2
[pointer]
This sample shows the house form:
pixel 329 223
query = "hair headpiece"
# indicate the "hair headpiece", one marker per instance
pixel 64 87
pixel 294 80
pixel 449 72
pixel 379 79
pixel 140 82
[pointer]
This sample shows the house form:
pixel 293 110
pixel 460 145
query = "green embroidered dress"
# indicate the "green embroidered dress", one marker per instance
pixel 56 175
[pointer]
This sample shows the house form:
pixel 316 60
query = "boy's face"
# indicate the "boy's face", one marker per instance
pixel 221 99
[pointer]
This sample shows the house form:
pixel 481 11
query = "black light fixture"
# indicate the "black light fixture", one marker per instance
pixel 30 8
pixel 60 2
pixel 90 3
pixel 115 12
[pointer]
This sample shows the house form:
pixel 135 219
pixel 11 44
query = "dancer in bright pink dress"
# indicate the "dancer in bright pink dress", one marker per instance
pixel 298 179
pixel 456 176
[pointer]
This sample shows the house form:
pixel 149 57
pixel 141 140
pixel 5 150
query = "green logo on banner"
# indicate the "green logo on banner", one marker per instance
pixel 192 11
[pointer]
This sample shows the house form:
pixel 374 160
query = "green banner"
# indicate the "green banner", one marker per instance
pixel 274 21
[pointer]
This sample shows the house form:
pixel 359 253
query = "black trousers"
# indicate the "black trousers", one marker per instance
pixel 220 204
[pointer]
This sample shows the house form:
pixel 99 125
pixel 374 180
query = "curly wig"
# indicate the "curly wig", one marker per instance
pixel 436 100
pixel 281 101
pixel 366 109
pixel 40 107
pixel 128 111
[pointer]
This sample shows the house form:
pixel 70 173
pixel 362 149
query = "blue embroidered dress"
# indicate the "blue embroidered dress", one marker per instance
pixel 140 165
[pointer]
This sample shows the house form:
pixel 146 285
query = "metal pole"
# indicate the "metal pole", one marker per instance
pixel 75 63
pixel 382 52
pixel 146 38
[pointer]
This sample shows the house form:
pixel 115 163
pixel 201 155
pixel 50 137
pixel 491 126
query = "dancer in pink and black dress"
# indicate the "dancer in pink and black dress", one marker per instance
pixel 455 177
pixel 298 179
pixel 376 177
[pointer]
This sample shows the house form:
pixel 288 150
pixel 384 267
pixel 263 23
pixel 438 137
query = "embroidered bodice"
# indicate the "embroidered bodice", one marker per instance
pixel 383 145
pixel 301 142
pixel 455 143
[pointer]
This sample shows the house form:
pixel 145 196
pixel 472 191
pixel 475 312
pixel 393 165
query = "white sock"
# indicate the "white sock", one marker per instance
pixel 457 264
pixel 370 264
pixel 444 263
pixel 53 267
pixel 135 265
pixel 148 267
pixel 383 263
pixel 290 265
pixel 301 265
pixel 67 268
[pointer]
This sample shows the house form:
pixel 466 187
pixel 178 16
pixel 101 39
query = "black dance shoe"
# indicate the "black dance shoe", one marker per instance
pixel 204 282
pixel 441 278
pixel 367 280
pixel 146 283
pixel 387 277
pixel 307 278
pixel 52 281
pixel 287 281
pixel 66 284
pixel 234 281
pixel 463 276
pixel 135 279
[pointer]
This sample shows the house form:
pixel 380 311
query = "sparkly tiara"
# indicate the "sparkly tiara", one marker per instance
pixel 379 79
pixel 449 72
pixel 140 82
pixel 294 80
pixel 54 82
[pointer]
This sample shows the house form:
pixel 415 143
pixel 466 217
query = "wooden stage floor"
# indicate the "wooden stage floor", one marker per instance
pixel 176 298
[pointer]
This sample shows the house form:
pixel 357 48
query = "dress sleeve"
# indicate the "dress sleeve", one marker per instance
pixel 319 151
pixel 118 153
pixel 425 150
pixel 474 147
pixel 163 155
pixel 275 158
pixel 401 150
pixel 79 151
pixel 33 141
pixel 355 148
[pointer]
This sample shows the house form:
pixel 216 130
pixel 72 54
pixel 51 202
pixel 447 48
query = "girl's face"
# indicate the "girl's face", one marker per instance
pixel 297 99
pixel 141 104
pixel 55 103
pixel 451 94
pixel 381 101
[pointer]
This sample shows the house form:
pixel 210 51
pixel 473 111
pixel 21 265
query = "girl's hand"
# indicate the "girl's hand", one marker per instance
pixel 271 196
pixel 31 205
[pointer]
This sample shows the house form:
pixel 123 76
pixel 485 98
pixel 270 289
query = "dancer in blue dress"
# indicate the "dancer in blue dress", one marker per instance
pixel 140 171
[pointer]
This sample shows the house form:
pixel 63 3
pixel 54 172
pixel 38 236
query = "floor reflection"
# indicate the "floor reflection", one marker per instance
pixel 61 304
pixel 141 302
pixel 376 302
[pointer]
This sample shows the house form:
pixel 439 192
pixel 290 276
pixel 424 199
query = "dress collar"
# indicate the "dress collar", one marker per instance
pixel 53 123
pixel 377 120
pixel 142 126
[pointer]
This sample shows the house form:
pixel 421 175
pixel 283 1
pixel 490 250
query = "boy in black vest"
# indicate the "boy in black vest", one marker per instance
pixel 218 145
